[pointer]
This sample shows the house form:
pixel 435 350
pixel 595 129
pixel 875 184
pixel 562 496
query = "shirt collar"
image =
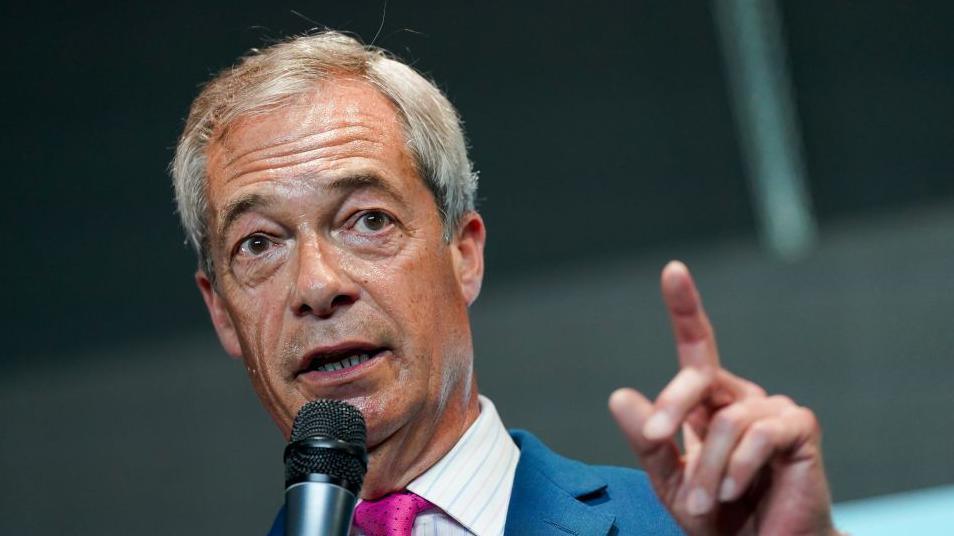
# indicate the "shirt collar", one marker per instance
pixel 472 482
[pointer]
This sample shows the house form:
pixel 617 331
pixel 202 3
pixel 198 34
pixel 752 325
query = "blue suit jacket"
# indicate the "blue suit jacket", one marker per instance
pixel 553 495
pixel 558 496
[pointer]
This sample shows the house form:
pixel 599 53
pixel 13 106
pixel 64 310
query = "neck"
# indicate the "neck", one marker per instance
pixel 414 449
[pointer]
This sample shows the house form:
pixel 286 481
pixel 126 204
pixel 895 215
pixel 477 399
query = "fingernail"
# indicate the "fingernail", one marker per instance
pixel 727 489
pixel 658 426
pixel 699 502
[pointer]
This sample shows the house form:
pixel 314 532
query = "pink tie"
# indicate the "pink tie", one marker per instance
pixel 392 515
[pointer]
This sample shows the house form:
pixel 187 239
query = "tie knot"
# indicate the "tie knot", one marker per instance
pixel 391 515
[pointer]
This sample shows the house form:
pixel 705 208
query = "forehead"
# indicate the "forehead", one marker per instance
pixel 342 121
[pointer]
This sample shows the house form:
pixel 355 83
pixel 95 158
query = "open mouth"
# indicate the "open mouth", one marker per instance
pixel 340 359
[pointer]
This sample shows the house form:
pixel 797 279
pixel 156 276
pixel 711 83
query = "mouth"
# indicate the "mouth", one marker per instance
pixel 338 359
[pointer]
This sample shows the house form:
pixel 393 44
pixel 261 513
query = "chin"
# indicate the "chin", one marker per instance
pixel 382 418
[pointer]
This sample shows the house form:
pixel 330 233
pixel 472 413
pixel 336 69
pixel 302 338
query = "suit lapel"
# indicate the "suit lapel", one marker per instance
pixel 546 494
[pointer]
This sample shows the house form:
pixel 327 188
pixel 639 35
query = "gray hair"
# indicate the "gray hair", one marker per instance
pixel 266 79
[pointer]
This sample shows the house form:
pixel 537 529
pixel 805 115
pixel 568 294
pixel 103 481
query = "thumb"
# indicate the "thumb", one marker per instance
pixel 660 458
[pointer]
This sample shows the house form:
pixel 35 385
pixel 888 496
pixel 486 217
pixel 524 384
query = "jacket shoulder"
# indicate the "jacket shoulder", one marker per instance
pixel 629 496
pixel 622 494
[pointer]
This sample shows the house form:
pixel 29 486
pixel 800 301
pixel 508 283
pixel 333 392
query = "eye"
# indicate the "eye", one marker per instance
pixel 373 222
pixel 255 245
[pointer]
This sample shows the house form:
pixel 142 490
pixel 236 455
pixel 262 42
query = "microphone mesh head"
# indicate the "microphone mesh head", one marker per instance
pixel 333 419
pixel 330 419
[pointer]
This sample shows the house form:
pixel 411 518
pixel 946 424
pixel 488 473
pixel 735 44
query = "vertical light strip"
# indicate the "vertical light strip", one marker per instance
pixel 754 52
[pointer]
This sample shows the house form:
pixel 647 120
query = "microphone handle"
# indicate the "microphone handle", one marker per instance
pixel 318 509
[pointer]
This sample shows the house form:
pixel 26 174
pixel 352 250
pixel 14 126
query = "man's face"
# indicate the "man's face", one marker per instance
pixel 334 280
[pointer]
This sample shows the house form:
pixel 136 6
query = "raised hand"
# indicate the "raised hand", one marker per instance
pixel 751 463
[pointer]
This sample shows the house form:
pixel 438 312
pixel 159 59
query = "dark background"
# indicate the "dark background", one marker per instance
pixel 606 145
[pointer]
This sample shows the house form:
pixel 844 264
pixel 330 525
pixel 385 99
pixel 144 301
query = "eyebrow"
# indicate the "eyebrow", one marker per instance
pixel 351 183
pixel 253 201
pixel 240 206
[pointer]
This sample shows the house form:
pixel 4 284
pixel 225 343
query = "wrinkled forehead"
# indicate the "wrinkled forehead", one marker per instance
pixel 330 105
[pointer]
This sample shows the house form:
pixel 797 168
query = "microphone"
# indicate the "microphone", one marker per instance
pixel 325 464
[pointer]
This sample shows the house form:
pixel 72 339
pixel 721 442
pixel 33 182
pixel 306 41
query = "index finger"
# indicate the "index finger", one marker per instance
pixel 695 338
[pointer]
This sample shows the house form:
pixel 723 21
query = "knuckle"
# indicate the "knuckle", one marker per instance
pixel 809 419
pixel 750 388
pixel 757 390
pixel 782 400
pixel 762 432
pixel 742 464
pixel 729 419
pixel 666 399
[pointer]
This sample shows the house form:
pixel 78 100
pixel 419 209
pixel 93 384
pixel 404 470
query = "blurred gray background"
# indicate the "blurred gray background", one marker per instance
pixel 610 137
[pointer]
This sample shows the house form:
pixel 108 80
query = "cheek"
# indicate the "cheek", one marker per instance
pixel 431 311
pixel 418 287
pixel 260 326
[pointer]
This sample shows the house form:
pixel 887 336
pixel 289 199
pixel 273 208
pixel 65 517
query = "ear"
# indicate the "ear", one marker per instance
pixel 219 314
pixel 468 253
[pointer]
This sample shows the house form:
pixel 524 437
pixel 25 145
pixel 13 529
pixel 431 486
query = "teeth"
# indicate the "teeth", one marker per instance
pixel 347 362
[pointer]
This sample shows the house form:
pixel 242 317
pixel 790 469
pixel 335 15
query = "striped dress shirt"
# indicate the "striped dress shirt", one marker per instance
pixel 470 486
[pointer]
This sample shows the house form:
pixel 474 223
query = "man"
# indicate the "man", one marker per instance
pixel 328 193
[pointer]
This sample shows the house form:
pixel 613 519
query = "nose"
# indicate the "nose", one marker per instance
pixel 323 287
